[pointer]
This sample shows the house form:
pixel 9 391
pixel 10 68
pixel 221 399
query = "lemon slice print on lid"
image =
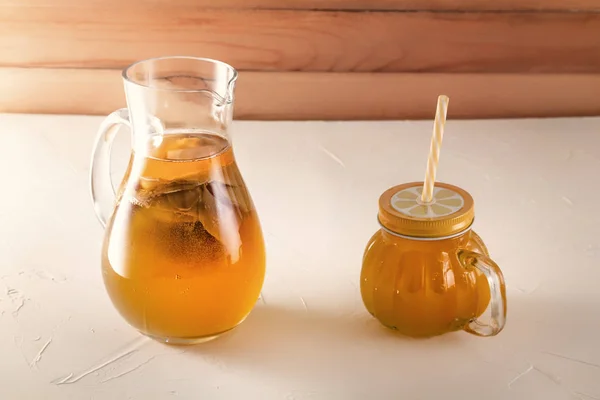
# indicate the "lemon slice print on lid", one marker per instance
pixel 444 202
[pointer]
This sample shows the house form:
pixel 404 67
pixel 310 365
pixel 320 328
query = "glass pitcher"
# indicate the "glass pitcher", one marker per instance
pixel 183 257
pixel 426 272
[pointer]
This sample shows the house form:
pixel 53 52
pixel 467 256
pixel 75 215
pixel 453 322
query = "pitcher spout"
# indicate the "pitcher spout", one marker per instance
pixel 182 93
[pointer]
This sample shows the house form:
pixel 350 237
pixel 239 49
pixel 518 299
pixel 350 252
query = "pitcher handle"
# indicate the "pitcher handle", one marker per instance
pixel 101 186
pixel 490 269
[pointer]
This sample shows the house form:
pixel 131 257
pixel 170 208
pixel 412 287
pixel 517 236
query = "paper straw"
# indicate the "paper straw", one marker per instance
pixel 434 151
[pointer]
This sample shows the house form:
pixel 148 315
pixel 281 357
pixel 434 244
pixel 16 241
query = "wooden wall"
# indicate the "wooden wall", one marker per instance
pixel 314 59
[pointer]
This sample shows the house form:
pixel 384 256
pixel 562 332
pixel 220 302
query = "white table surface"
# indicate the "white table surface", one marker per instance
pixel 316 186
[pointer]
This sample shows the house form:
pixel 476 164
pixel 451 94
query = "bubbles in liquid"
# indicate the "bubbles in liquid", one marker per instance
pixel 199 207
pixel 186 228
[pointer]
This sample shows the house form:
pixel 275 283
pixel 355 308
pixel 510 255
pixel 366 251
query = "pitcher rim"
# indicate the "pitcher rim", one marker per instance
pixel 206 59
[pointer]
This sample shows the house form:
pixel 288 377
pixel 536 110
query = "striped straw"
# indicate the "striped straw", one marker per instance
pixel 434 151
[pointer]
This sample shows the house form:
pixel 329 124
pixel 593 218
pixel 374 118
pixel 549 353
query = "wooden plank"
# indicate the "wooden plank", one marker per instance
pixel 404 5
pixel 304 40
pixel 331 96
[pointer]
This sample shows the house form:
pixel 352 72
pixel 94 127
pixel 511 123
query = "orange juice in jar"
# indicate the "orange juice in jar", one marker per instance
pixel 426 272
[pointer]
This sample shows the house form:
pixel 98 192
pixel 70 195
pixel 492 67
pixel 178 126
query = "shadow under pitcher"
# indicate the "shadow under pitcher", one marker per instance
pixel 183 257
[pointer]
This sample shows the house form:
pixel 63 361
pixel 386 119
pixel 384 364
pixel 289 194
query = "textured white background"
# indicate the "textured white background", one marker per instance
pixel 316 186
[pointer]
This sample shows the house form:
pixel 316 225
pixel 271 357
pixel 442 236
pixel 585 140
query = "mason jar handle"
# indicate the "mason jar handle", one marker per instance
pixel 102 189
pixel 490 269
